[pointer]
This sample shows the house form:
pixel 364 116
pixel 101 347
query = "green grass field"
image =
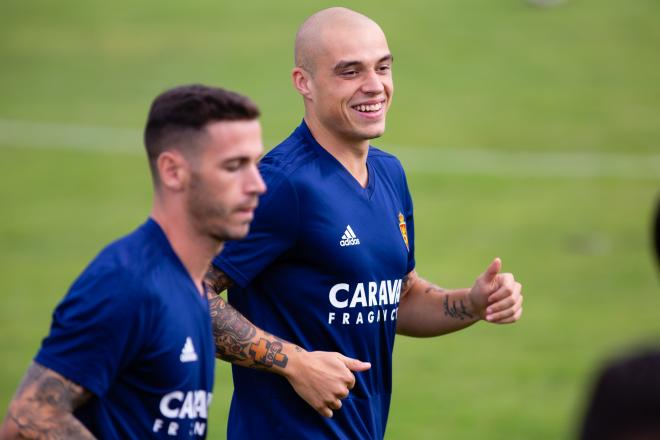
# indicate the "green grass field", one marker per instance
pixel 528 133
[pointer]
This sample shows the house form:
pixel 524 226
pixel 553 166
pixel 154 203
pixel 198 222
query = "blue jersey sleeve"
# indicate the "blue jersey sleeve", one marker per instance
pixel 96 329
pixel 272 232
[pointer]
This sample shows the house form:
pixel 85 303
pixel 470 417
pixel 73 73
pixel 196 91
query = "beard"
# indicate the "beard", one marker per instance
pixel 210 219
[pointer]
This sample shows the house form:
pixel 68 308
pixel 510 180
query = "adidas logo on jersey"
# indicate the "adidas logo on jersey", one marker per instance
pixel 188 351
pixel 349 238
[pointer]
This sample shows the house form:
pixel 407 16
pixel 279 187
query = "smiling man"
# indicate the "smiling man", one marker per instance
pixel 131 351
pixel 329 262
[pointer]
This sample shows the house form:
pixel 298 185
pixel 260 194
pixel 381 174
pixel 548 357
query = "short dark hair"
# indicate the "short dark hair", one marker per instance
pixel 179 115
pixel 625 401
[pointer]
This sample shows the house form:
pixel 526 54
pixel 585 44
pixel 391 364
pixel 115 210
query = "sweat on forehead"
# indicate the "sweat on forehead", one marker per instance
pixel 312 34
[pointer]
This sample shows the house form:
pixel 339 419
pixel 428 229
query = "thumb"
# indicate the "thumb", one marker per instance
pixel 492 270
pixel 356 365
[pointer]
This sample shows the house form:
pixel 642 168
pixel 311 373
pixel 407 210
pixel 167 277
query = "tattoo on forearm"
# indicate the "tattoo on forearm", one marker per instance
pixel 44 404
pixel 231 331
pixel 457 311
pixel 217 280
pixel 235 338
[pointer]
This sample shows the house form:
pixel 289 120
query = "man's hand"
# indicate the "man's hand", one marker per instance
pixel 496 297
pixel 323 378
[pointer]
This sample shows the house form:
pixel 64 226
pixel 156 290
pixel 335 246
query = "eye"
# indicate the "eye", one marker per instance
pixel 348 73
pixel 233 165
pixel 384 68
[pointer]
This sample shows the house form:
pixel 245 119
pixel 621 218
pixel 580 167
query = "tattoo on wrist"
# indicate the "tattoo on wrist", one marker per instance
pixel 217 280
pixel 457 309
pixel 268 353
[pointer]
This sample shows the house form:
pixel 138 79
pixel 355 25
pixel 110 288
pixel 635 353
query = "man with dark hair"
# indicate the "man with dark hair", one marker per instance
pixel 625 401
pixel 130 353
pixel 329 262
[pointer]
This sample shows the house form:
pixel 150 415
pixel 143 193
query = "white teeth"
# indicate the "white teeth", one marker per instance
pixel 369 108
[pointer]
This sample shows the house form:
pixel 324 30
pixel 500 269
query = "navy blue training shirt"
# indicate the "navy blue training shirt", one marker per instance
pixel 134 330
pixel 322 267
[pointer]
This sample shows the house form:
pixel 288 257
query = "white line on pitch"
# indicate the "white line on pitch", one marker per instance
pixel 52 135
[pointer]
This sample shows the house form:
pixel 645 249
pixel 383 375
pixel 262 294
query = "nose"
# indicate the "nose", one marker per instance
pixel 373 83
pixel 255 183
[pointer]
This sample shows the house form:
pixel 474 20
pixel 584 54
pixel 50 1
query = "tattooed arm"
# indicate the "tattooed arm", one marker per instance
pixel 321 378
pixel 428 310
pixel 43 408
pixel 239 341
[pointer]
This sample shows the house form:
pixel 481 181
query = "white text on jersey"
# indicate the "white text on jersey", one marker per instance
pixel 388 292
pixel 349 238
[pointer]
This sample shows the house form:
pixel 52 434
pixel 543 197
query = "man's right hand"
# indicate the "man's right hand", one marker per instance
pixel 323 378
pixel 320 378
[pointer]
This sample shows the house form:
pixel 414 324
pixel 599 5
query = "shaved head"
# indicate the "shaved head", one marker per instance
pixel 314 34
pixel 343 72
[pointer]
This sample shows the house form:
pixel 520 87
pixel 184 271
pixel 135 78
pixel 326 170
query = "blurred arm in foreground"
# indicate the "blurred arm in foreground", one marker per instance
pixel 43 407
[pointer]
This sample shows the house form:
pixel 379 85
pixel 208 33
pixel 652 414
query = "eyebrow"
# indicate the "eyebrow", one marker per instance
pixel 242 157
pixel 237 158
pixel 341 65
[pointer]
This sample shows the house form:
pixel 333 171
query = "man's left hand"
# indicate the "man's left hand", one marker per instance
pixel 496 296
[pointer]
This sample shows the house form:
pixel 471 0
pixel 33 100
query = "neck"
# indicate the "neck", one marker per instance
pixel 352 154
pixel 195 250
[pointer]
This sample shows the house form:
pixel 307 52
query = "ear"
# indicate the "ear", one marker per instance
pixel 302 82
pixel 173 170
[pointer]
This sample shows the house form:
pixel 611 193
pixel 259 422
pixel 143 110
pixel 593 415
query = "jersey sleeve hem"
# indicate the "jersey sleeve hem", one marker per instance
pixel 71 373
pixel 231 271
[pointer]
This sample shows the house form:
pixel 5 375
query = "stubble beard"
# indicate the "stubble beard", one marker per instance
pixel 209 219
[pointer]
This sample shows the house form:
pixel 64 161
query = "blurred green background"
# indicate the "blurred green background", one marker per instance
pixel 531 133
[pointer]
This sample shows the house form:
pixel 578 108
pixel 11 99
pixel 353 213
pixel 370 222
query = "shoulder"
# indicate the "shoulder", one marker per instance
pixel 388 163
pixel 379 156
pixel 125 270
pixel 290 166
pixel 106 283
pixel 290 155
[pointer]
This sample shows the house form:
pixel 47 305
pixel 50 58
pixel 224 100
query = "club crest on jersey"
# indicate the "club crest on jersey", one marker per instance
pixel 349 238
pixel 403 229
